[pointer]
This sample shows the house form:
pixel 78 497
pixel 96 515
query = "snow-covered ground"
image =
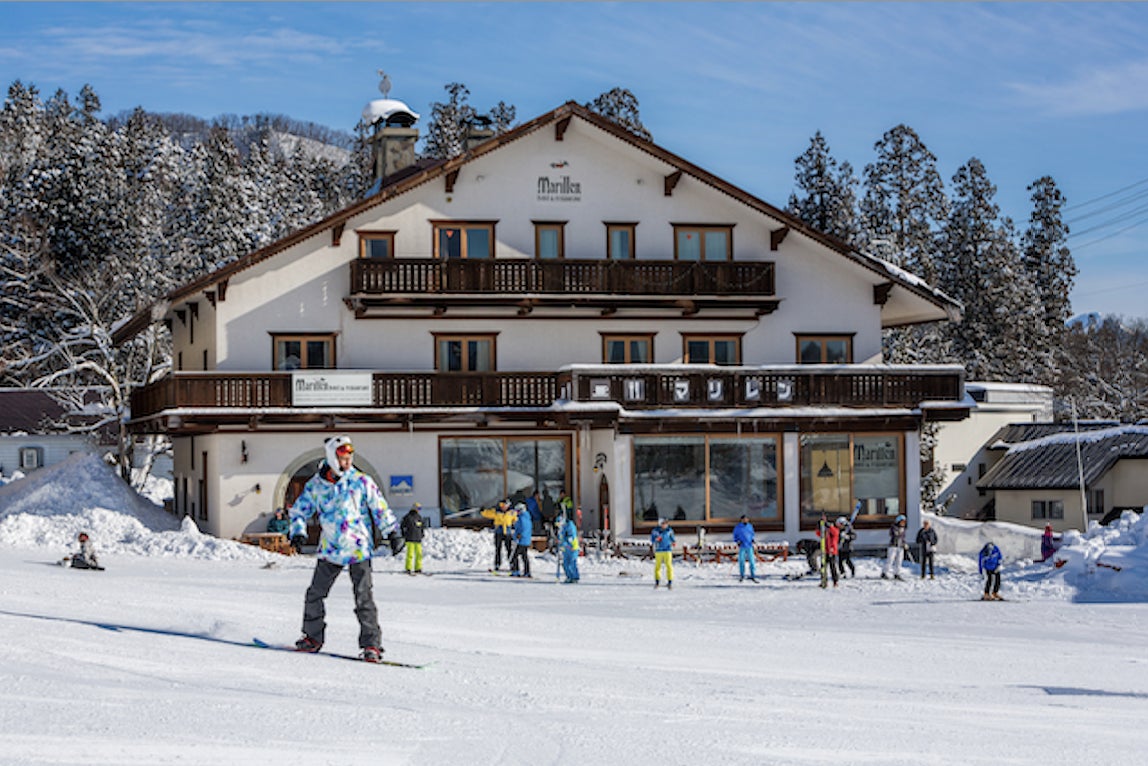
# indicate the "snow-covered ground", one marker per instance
pixel 149 661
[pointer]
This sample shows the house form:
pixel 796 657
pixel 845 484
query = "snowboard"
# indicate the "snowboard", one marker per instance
pixel 335 655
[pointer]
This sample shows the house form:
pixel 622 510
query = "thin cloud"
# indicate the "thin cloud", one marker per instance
pixel 1101 91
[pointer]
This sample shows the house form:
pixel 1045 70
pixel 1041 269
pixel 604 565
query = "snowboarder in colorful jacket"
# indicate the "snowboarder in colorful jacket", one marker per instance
pixel 662 538
pixel 568 539
pixel 989 563
pixel 743 535
pixel 348 503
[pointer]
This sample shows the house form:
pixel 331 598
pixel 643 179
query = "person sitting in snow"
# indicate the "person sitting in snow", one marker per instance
pixel 989 563
pixel 279 524
pixel 86 558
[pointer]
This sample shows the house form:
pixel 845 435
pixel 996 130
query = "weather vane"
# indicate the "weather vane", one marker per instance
pixel 384 84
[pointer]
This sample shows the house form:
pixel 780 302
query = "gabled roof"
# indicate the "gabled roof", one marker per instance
pixel 1049 461
pixel 35 411
pixel 1017 433
pixel 405 181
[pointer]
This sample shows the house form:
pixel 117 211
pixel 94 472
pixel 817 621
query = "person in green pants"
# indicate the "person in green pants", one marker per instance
pixel 412 528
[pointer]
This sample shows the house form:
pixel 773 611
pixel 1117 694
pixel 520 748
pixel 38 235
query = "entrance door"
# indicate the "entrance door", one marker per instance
pixel 604 505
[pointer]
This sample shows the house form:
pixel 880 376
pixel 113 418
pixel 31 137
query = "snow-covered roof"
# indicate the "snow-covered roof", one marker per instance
pixel 1050 461
pixel 390 111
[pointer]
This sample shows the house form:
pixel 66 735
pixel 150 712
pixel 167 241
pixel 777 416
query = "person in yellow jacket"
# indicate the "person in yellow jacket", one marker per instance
pixel 503 518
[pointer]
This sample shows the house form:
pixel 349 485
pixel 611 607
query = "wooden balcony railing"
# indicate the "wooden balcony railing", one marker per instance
pixel 642 388
pixel 370 276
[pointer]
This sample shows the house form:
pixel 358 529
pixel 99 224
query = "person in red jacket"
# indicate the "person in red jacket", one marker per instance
pixel 832 549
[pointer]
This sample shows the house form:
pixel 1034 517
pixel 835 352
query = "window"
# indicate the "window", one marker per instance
pixel 627 349
pixel 303 352
pixel 825 349
pixel 476 473
pixel 706 478
pixel 464 353
pixel 1048 509
pixel 1096 501
pixel 31 458
pixel 549 239
pixel 620 240
pixel 702 243
pixel 838 470
pixel 461 239
pixel 376 244
pixel 711 349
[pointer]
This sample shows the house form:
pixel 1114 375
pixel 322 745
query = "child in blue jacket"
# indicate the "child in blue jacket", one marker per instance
pixel 663 539
pixel 989 562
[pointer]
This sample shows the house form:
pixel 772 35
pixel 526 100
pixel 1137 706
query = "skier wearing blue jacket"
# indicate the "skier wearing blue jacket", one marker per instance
pixel 568 539
pixel 989 563
pixel 743 535
pixel 663 540
pixel 348 503
pixel 523 533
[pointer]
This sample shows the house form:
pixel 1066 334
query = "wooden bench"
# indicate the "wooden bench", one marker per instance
pixel 269 541
pixel 722 552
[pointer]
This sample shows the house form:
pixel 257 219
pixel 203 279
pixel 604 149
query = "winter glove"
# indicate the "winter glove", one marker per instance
pixel 397 543
pixel 298 541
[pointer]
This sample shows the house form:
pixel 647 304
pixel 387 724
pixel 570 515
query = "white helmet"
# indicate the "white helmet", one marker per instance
pixel 334 446
pixel 842 521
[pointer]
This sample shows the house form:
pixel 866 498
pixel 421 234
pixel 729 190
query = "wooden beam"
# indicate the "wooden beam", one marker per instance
pixel 671 182
pixel 210 295
pixel 525 307
pixel 777 236
pixel 560 128
pixel 451 178
pixel 221 290
pixel 337 233
pixel 881 293
pixel 182 316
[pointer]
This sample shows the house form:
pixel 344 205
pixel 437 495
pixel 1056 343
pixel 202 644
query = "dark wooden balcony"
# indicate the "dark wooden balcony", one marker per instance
pixel 238 397
pixel 598 283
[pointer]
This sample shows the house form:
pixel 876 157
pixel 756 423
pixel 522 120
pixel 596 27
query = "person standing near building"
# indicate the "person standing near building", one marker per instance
pixel 927 543
pixel 412 528
pixel 662 538
pixel 568 541
pixel 502 518
pixel 523 535
pixel 895 553
pixel 989 564
pixel 845 546
pixel 743 535
pixel 347 503
pixel 832 550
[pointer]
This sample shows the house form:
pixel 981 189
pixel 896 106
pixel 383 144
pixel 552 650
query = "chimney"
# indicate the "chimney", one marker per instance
pixel 393 134
pixel 477 131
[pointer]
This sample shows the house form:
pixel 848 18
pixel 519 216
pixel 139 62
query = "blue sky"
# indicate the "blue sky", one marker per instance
pixel 1031 89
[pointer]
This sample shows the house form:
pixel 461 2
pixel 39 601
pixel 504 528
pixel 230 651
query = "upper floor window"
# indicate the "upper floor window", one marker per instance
pixel 463 239
pixel 464 353
pixel 303 352
pixel 712 349
pixel 825 349
pixel 549 239
pixel 693 242
pixel 627 349
pixel 620 240
pixel 1047 509
pixel 376 244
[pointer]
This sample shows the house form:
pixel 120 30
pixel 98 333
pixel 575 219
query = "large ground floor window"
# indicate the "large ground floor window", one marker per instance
pixel 838 470
pixel 478 472
pixel 706 478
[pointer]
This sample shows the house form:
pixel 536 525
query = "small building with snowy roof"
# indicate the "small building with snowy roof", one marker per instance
pixel 1061 473
pixel 563 306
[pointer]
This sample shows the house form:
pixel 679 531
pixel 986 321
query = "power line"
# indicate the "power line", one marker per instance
pixel 1102 197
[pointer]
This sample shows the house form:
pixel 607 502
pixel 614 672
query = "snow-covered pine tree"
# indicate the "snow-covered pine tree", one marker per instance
pixel 620 106
pixel 449 122
pixel 827 192
pixel 1105 370
pixel 999 338
pixel 1051 268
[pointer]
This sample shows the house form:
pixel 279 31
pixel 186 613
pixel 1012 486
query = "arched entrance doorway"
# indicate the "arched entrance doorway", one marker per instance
pixel 300 471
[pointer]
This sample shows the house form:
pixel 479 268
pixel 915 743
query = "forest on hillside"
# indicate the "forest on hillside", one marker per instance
pixel 99 217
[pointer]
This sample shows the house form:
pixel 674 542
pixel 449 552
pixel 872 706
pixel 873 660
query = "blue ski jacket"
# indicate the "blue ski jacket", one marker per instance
pixel 523 528
pixel 743 534
pixel 568 535
pixel 989 559
pixel 344 507
pixel 663 539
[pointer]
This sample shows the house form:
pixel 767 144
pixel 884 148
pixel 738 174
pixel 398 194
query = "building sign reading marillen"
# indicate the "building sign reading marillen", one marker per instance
pixel 327 388
pixel 560 189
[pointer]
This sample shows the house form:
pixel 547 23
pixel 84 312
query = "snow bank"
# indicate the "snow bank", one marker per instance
pixel 49 509
pixel 1107 563
pixel 966 538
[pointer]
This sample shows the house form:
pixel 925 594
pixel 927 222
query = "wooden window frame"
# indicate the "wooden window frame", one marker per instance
pixel 366 236
pixel 454 336
pixel 822 338
pixel 556 226
pixel 462 225
pixel 710 338
pixel 863 521
pixel 632 229
pixel 702 229
pixel 506 439
pixel 626 337
pixel 303 338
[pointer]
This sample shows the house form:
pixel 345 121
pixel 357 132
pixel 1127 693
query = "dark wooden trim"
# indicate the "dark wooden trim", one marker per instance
pixel 221 289
pixel 670 182
pixel 560 127
pixel 451 178
pixel 182 316
pixel 881 293
pixel 777 236
pixel 210 295
pixel 337 233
